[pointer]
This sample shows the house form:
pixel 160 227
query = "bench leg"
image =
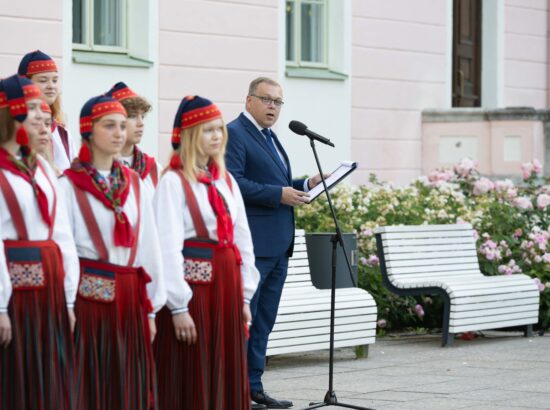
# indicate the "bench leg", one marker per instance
pixel 361 351
pixel 528 331
pixel 448 338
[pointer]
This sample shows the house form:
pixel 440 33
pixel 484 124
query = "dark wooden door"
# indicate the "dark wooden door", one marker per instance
pixel 467 53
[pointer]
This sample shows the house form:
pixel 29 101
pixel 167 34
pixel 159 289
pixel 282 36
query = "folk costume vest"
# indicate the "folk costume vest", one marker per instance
pixel 198 252
pixel 97 281
pixel 23 257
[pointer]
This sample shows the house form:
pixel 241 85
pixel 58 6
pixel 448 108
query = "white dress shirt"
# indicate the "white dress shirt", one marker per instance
pixel 60 159
pixel 148 181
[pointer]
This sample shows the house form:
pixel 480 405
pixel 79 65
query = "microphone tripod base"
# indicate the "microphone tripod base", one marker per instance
pixel 331 400
pixel 330 397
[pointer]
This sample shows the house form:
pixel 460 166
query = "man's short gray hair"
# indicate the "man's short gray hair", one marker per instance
pixel 256 82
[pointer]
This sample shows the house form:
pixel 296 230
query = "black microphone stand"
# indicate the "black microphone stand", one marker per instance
pixel 330 397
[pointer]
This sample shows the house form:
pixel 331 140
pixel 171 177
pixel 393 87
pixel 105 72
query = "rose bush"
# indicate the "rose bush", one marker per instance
pixel 511 222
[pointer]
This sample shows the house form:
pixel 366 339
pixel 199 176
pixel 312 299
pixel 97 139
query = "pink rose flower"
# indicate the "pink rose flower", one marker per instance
pixel 437 178
pixel 483 185
pixel 373 261
pixel 381 323
pixel 511 193
pixel 541 239
pixel 539 284
pixel 510 268
pixel 419 311
pixel 526 169
pixel 465 167
pixel 503 269
pixel 367 232
pixel 543 200
pixel 491 244
pixel 522 202
pixel 504 185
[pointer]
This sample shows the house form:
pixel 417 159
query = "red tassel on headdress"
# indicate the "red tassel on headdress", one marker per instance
pixel 21 136
pixel 175 161
pixel 84 155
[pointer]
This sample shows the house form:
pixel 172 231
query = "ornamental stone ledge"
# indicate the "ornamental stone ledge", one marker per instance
pixel 485 114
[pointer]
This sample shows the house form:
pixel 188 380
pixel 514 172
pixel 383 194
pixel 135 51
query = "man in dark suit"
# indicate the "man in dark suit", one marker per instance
pixel 260 165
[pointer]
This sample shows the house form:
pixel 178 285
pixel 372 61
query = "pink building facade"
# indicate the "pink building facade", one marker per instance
pixel 376 77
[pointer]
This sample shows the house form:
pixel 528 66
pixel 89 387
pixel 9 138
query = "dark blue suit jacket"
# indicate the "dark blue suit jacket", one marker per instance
pixel 261 176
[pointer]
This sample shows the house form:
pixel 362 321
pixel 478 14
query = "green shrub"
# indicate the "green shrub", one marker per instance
pixel 511 220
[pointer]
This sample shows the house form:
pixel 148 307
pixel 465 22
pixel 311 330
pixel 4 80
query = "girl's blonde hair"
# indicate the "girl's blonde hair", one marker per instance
pixel 57 113
pixel 190 147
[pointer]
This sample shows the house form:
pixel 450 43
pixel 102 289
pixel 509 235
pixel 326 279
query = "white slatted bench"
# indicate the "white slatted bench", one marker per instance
pixel 303 319
pixel 442 260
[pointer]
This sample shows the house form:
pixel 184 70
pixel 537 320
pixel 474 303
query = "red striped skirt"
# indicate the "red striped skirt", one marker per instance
pixel 211 374
pixel 37 368
pixel 115 367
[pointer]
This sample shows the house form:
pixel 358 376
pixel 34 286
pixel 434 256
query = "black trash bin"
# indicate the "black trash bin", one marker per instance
pixel 319 251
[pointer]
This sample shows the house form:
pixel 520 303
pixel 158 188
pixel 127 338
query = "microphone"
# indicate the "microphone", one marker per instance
pixel 301 129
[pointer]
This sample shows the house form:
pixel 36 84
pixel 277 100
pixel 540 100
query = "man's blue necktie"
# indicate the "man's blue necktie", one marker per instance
pixel 271 145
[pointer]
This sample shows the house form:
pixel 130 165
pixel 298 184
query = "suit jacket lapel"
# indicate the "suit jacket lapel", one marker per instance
pixel 260 139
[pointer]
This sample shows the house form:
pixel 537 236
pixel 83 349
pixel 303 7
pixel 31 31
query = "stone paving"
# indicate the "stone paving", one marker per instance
pixel 497 370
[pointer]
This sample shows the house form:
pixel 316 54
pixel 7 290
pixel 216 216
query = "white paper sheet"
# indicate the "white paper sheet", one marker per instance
pixel 337 175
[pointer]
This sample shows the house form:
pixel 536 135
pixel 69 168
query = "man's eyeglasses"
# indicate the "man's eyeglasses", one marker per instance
pixel 268 101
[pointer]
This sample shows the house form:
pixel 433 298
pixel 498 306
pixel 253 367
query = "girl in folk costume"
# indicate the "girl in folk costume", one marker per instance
pixel 121 283
pixel 136 107
pixel 37 281
pixel 207 254
pixel 42 71
pixel 41 143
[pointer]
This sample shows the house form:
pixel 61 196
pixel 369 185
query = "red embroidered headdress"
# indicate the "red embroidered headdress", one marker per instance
pixel 120 91
pixel 36 62
pixel 193 110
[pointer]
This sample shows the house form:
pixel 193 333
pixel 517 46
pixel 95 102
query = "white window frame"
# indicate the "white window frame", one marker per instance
pixel 297 29
pixel 88 19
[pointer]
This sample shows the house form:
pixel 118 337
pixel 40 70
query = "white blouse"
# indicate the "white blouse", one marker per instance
pixel 38 230
pixel 129 161
pixel 148 251
pixel 175 225
pixel 60 159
